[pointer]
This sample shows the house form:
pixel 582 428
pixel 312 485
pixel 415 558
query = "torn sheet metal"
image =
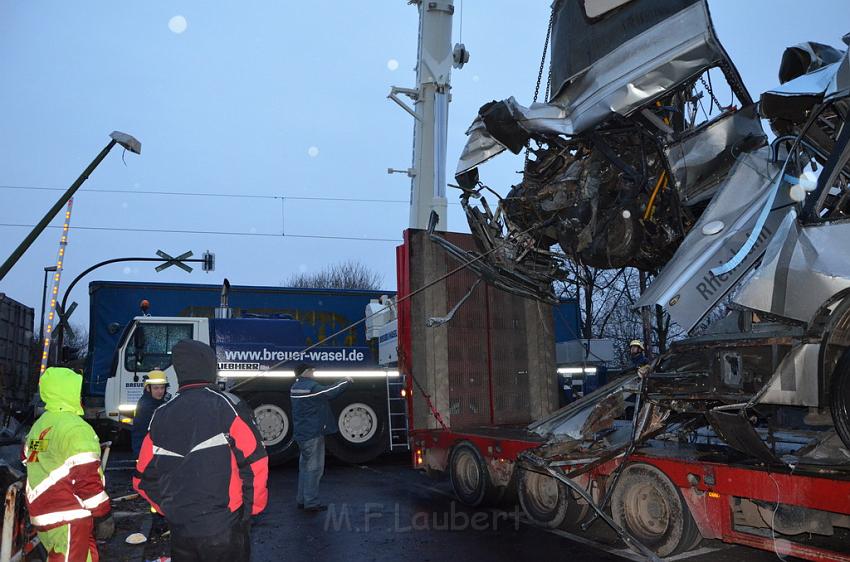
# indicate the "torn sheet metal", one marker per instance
pixel 686 288
pixel 735 429
pixel 619 165
pixel 617 64
pixel 802 268
pixel 808 77
pixel 678 46
pixel 702 159
pixel 593 413
pixel 508 124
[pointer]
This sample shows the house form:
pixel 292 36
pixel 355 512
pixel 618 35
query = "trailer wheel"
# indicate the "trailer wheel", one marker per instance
pixel 469 475
pixel 547 502
pixel 362 434
pixel 274 422
pixel 648 505
pixel 839 397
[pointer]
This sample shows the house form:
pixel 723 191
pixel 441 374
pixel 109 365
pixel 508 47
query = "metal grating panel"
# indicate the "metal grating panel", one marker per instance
pixel 469 386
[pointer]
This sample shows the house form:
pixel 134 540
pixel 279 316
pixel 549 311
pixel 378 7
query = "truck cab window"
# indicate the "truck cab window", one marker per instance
pixel 152 350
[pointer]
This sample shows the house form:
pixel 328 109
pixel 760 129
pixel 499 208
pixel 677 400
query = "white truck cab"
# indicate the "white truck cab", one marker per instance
pixel 146 345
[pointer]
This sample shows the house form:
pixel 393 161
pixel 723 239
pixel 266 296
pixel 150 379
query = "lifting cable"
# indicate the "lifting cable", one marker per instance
pixel 540 70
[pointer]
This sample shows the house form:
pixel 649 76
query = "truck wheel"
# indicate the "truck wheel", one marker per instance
pixel 469 475
pixel 362 435
pixel 274 422
pixel 547 502
pixel 839 397
pixel 648 505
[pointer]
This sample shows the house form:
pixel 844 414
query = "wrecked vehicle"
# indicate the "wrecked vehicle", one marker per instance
pixel 630 147
pixel 741 432
pixel 621 172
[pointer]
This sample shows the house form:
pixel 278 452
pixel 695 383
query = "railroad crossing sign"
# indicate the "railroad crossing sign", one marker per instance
pixel 178 261
pixel 63 318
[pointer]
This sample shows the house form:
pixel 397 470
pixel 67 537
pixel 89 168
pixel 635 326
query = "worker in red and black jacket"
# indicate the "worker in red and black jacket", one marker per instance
pixel 203 465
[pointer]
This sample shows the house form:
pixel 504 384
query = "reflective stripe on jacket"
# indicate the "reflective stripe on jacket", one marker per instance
pixel 203 464
pixel 62 454
pixel 311 413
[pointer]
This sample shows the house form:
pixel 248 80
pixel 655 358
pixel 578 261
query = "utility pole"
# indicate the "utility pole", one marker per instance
pixel 431 114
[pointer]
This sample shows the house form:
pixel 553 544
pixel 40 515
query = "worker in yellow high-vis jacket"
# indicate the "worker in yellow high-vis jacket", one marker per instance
pixel 64 478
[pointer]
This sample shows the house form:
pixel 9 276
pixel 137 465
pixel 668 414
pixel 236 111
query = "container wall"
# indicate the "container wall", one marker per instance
pixel 493 363
pixel 16 339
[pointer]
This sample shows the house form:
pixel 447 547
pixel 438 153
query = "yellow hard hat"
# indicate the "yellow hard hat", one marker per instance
pixel 156 377
pixel 637 343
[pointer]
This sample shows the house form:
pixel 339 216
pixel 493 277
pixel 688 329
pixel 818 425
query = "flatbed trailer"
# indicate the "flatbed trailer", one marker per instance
pixel 665 495
pixel 483 465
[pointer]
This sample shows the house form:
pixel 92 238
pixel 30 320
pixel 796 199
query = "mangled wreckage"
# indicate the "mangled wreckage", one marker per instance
pixel 634 161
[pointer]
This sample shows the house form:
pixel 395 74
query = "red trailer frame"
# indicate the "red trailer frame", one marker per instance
pixel 710 499
pixel 709 488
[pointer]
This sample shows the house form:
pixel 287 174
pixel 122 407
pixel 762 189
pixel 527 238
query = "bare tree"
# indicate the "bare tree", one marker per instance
pixel 346 275
pixel 606 300
pixel 78 344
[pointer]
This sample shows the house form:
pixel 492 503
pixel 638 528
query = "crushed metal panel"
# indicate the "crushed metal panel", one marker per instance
pixel 700 161
pixel 795 381
pixel 480 147
pixel 803 267
pixel 608 74
pixel 735 429
pixel 686 288
pixel 825 80
pixel 576 419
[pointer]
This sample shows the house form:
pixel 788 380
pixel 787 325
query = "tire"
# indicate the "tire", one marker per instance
pixel 469 476
pixel 362 434
pixel 650 507
pixel 273 414
pixel 839 397
pixel 549 503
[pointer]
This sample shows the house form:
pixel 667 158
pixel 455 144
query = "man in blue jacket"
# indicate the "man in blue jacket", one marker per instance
pixel 155 395
pixel 312 420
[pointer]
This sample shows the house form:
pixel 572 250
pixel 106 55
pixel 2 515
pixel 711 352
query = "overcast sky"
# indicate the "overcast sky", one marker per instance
pixel 271 99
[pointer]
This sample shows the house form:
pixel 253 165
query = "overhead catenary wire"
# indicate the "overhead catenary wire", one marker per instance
pixel 216 233
pixel 213 194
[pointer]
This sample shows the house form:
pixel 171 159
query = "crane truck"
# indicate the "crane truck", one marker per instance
pixel 258 342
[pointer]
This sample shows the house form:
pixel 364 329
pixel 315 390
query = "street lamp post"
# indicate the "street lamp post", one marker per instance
pixel 47 270
pixel 116 137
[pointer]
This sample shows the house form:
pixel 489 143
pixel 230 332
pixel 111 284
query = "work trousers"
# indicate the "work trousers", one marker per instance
pixel 232 545
pixel 311 466
pixel 73 542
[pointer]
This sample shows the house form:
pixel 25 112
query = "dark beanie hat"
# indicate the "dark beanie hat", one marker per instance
pixel 301 367
pixel 194 362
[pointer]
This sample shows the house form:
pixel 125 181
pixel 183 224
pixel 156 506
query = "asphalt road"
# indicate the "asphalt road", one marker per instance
pixel 386 511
